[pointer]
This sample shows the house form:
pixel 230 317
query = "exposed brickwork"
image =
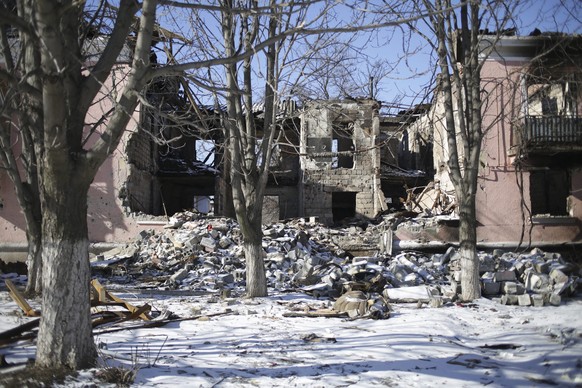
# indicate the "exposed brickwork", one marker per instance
pixel 322 175
pixel 140 187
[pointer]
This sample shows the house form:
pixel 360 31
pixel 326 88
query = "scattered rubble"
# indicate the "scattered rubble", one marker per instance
pixel 347 265
pixel 206 255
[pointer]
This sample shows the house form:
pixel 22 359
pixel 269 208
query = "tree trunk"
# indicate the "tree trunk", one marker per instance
pixel 65 334
pixel 34 259
pixel 256 282
pixel 470 286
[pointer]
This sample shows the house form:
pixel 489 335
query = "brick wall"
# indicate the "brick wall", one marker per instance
pixel 320 179
pixel 140 187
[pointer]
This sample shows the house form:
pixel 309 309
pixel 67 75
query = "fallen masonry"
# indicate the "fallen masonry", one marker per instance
pixel 206 255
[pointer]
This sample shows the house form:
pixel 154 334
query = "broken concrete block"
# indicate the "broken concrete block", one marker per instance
pixel 542 267
pixel 491 288
pixel 209 244
pixel 225 242
pixel 214 233
pixel 411 279
pixel 524 300
pixel 277 257
pixel 554 300
pixel 537 300
pixel 179 276
pixel 519 267
pixel 411 263
pixel 504 276
pixel 513 288
pixel 561 288
pixel 558 276
pixel 509 299
pixel 537 282
pixel 408 294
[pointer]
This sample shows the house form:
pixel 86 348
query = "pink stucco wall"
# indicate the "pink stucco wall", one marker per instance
pixel 503 193
pixel 106 220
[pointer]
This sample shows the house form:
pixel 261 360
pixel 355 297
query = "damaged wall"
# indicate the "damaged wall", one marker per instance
pixel 107 216
pixel 140 191
pixel 335 134
pixel 518 198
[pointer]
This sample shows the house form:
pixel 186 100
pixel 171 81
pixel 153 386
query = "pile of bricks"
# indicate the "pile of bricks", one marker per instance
pixel 207 255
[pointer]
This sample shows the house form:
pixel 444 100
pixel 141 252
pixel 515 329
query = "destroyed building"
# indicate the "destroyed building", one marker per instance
pixel 340 160
pixel 530 173
pixel 336 159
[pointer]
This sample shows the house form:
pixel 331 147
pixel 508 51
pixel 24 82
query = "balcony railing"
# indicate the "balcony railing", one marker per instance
pixel 552 131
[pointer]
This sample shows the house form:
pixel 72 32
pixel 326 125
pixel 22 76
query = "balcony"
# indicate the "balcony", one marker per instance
pixel 549 134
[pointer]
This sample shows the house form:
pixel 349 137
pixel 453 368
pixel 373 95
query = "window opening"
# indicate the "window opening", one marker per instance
pixel 343 205
pixel 203 204
pixel 549 190
pixel 342 146
pixel 275 154
pixel 205 151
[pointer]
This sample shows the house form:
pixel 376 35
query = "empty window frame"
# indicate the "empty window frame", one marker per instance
pixel 275 154
pixel 342 146
pixel 205 151
pixel 549 190
pixel 343 205
pixel 552 98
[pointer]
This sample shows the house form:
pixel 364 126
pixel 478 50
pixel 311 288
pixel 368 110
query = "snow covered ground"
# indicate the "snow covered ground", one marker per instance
pixel 253 345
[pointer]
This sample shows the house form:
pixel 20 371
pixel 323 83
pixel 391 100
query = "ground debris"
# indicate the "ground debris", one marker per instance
pixel 206 255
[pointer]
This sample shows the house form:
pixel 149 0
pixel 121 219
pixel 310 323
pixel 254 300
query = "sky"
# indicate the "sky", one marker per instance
pixel 406 85
pixel 409 79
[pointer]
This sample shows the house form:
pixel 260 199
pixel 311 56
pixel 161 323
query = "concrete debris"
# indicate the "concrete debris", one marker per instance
pixel 358 305
pixel 206 254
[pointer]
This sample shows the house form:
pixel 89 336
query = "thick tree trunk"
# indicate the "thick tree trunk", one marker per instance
pixel 34 260
pixel 65 334
pixel 470 286
pixel 251 229
pixel 256 280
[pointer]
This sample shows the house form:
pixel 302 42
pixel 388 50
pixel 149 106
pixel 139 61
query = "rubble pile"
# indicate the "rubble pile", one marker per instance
pixel 537 278
pixel 206 254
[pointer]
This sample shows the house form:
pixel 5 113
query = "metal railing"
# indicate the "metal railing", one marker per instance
pixel 556 130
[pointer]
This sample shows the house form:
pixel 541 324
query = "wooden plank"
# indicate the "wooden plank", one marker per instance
pixel 15 334
pixel 315 314
pixel 19 299
pixel 104 295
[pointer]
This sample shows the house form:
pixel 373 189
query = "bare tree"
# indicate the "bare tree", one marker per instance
pixel 281 38
pixel 51 88
pixel 22 114
pixel 250 142
pixel 456 35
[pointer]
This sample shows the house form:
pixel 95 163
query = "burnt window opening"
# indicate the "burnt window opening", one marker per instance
pixel 342 146
pixel 186 175
pixel 275 154
pixel 549 190
pixel 557 97
pixel 203 204
pixel 549 106
pixel 319 149
pixel 205 151
pixel 343 205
